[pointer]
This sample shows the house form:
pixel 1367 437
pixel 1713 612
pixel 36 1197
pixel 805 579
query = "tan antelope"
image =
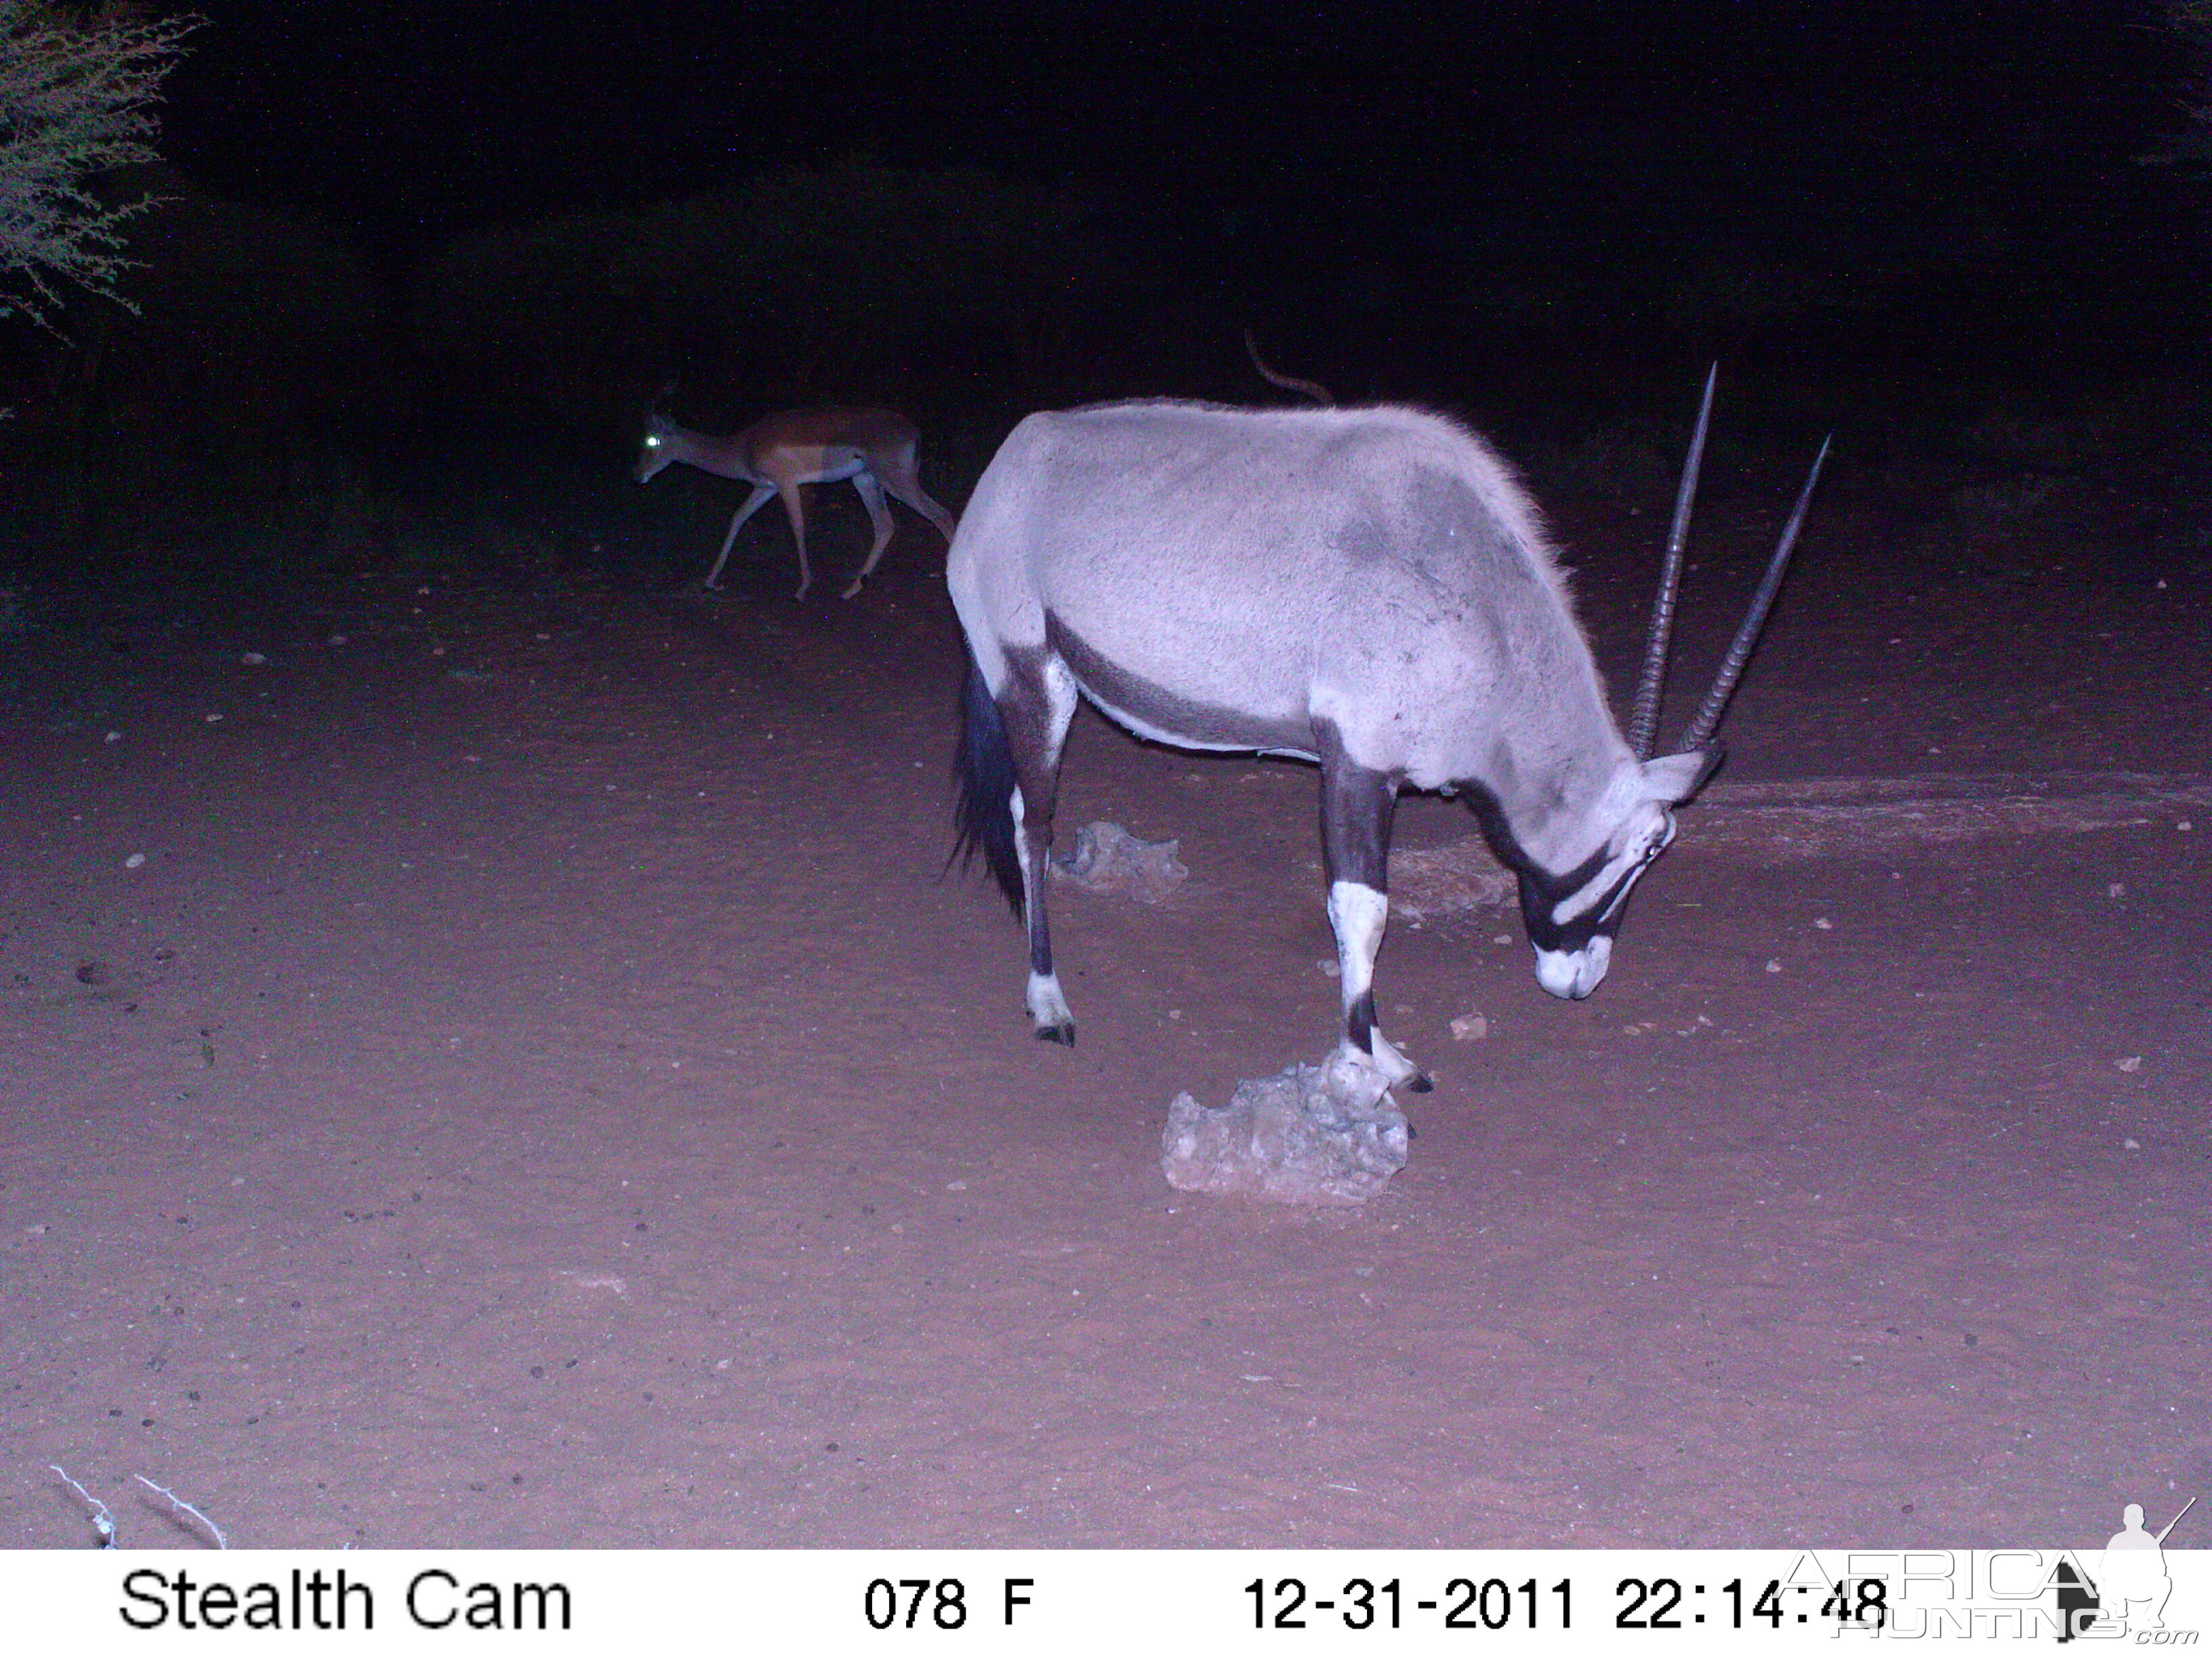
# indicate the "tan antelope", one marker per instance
pixel 873 447
pixel 1367 588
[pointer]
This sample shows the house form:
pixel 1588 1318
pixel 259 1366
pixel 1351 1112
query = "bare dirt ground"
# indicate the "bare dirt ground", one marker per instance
pixel 537 1088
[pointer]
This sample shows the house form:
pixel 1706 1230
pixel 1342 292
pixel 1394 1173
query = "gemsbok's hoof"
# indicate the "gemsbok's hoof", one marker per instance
pixel 852 593
pixel 1048 1011
pixel 1356 1074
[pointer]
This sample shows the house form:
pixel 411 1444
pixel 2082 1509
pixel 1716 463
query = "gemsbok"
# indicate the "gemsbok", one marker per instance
pixel 1368 588
pixel 873 447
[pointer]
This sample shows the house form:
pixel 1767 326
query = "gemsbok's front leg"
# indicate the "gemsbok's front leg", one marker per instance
pixel 1357 806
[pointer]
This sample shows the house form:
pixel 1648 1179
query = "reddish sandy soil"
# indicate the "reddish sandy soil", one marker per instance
pixel 537 1089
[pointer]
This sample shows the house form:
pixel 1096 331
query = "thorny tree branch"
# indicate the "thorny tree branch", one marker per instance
pixel 76 98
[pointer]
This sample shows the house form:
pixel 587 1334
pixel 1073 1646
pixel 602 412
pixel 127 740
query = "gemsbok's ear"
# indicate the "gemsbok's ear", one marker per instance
pixel 1674 779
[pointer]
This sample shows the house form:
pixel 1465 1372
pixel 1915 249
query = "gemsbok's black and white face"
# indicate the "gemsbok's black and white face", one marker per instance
pixel 1571 914
pixel 1571 918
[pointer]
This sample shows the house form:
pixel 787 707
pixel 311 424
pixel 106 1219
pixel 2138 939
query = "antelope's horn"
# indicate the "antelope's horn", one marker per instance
pixel 1643 722
pixel 1708 716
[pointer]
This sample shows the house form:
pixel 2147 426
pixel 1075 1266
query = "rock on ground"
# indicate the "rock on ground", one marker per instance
pixel 1307 1135
pixel 1108 859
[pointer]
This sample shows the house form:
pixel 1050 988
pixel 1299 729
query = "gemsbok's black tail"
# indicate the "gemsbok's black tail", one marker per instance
pixel 986 768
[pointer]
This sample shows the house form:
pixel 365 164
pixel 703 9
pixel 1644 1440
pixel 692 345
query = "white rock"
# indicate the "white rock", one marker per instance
pixel 1304 1136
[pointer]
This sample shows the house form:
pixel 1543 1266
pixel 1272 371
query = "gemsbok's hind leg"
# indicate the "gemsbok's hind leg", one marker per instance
pixel 1357 806
pixel 1036 703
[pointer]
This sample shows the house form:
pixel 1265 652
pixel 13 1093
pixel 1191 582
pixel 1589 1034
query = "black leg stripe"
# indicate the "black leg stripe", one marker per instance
pixel 1359 1023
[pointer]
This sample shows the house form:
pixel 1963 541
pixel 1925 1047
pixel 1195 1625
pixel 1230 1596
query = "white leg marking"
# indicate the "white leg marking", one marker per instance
pixel 1048 1008
pixel 1359 913
pixel 1060 697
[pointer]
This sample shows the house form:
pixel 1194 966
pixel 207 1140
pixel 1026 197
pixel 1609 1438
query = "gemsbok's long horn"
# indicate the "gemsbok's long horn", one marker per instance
pixel 1700 734
pixel 1643 722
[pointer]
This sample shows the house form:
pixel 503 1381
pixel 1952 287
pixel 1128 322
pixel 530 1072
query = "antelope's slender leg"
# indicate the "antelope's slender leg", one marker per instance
pixel 905 485
pixel 871 497
pixel 1357 807
pixel 794 508
pixel 1037 702
pixel 753 504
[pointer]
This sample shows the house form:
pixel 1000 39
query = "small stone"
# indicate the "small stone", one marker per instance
pixel 254 660
pixel 1823 923
pixel 1330 966
pixel 1772 966
pixel 2132 1063
pixel 1470 1027
pixel 134 862
pixel 2129 1143
pixel 2115 890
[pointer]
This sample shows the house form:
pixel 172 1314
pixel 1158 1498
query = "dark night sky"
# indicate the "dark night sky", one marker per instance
pixel 1834 128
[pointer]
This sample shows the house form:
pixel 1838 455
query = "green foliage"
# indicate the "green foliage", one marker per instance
pixel 74 103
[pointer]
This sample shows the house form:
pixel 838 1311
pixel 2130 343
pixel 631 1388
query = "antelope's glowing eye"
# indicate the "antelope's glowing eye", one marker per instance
pixel 651 442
